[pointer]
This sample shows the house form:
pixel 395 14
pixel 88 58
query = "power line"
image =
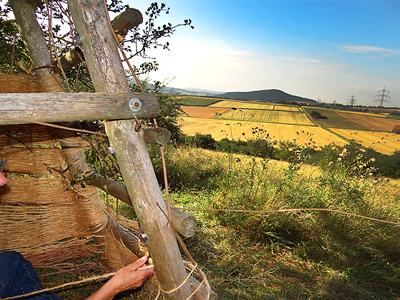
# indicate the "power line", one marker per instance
pixel 352 100
pixel 382 97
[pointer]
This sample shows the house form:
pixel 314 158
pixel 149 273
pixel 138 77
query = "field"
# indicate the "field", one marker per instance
pixel 353 120
pixel 371 122
pixel 382 142
pixel 243 104
pixel 267 116
pixel 254 105
pixel 197 101
pixel 203 112
pixel 220 129
pixel 235 119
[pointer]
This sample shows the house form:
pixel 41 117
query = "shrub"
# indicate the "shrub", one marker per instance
pixel 387 165
pixel 205 141
pixel 317 115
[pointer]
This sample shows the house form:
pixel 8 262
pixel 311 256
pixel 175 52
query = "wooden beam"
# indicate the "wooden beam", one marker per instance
pixel 67 107
pixel 183 223
pixel 69 60
pixel 108 75
pixel 125 21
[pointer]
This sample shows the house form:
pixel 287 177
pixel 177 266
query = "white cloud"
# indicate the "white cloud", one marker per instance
pixel 369 49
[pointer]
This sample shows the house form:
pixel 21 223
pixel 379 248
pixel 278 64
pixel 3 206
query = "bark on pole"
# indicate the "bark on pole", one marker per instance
pixel 32 35
pixel 107 73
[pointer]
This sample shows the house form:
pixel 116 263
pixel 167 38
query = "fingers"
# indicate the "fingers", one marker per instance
pixel 140 262
pixel 146 270
pixel 137 264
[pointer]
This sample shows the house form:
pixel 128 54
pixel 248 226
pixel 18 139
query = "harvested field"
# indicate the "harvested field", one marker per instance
pixel 203 112
pixel 286 107
pixel 350 120
pixel 267 116
pixel 371 122
pixel 383 142
pixel 220 129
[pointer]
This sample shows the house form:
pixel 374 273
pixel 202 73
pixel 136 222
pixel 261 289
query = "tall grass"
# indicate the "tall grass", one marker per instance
pixel 287 255
pixel 300 255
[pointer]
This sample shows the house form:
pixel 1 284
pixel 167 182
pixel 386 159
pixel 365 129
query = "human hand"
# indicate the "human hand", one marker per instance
pixel 132 276
pixel 3 179
pixel 127 278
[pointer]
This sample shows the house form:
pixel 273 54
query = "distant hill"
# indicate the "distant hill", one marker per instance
pixel 264 96
pixel 190 91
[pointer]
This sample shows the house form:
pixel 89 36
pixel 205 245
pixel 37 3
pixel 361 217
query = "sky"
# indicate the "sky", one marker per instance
pixel 319 49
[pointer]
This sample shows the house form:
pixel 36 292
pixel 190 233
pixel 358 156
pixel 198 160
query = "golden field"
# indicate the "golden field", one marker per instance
pixel 268 116
pixel 284 122
pixel 220 129
pixel 254 105
pixel 203 112
pixel 383 142
pixel 242 104
pixel 371 122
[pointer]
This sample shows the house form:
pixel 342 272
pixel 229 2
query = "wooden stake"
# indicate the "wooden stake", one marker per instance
pixel 107 73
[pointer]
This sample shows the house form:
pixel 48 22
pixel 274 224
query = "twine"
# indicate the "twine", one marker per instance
pixel 54 125
pixel 179 286
pixel 289 210
pixel 65 285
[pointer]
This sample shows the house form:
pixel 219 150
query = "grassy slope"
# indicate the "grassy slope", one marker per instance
pixel 303 255
pixel 198 101
pixel 294 255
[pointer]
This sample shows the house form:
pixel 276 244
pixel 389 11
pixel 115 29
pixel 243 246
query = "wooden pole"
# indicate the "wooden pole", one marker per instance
pixel 68 107
pixel 32 35
pixel 107 73
pixel 122 23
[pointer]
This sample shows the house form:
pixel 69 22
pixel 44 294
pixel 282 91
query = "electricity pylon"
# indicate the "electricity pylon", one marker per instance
pixel 382 97
pixel 352 100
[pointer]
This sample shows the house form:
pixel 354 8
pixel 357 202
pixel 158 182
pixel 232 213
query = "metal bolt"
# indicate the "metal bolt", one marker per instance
pixel 78 40
pixel 144 237
pixel 135 104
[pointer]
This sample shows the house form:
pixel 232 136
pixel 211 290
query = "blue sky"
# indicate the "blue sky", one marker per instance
pixel 326 50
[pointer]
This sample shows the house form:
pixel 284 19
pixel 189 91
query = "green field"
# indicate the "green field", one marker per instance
pixel 198 101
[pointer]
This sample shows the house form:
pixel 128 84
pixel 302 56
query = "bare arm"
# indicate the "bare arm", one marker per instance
pixel 130 277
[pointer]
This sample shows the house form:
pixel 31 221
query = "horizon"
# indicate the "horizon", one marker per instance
pixel 217 95
pixel 323 50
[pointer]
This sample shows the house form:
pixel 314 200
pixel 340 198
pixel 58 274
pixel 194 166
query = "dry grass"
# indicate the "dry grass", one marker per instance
pixel 301 255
